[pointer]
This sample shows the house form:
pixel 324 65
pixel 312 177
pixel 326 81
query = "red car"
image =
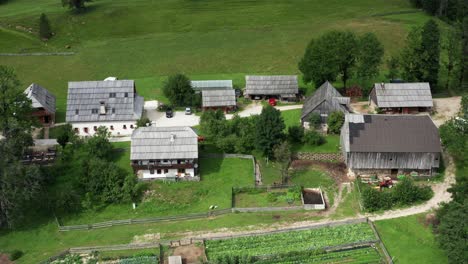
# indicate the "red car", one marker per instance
pixel 272 101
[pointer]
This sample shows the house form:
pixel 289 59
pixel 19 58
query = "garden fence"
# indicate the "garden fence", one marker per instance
pixel 112 223
pixel 87 250
pixel 384 249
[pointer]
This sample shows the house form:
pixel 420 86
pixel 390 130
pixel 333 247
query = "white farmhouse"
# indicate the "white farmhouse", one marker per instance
pixel 165 153
pixel 114 104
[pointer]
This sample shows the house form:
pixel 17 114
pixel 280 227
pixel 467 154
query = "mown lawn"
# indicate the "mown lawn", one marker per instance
pixel 146 40
pixel 408 240
pixel 332 145
pixel 260 199
pixel 164 199
pixel 291 117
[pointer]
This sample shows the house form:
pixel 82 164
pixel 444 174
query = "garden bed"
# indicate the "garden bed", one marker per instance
pixel 313 199
pixel 259 197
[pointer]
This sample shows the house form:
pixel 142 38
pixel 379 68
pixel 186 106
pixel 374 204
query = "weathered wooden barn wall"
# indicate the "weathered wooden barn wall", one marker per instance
pixel 377 160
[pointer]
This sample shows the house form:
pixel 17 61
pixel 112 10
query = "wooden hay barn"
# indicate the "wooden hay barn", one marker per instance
pixel 325 100
pixel 219 99
pixel 283 87
pixel 401 98
pixel 390 145
pixel 43 103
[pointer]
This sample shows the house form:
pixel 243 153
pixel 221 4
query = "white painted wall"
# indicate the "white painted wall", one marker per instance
pixel 148 175
pixel 118 128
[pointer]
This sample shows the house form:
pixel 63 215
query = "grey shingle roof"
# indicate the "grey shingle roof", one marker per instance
pixel 216 98
pixel 271 85
pixel 326 92
pixel 40 97
pixel 152 143
pixel 211 84
pixel 391 133
pixel 88 95
pixel 403 95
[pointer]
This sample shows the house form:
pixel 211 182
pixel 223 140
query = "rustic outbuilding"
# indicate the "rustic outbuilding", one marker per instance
pixel 219 99
pixel 43 103
pixel 114 104
pixel 164 153
pixel 284 87
pixel 390 145
pixel 325 100
pixel 401 98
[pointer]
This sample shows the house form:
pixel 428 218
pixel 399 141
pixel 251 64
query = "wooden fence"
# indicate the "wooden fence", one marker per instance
pixel 39 54
pixel 87 250
pixel 144 220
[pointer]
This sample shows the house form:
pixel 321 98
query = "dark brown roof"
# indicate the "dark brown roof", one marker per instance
pixel 388 133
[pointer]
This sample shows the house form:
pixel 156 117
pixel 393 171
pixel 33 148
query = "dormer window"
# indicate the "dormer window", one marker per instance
pixel 77 111
pixel 94 110
pixel 113 110
pixel 112 95
pixel 126 94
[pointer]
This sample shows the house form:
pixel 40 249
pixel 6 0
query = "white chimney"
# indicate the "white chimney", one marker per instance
pixel 102 109
pixel 172 138
pixel 383 85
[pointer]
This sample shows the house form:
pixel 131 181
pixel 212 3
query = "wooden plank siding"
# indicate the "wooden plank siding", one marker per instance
pixel 379 160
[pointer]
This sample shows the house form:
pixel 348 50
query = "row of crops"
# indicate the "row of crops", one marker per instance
pixel 294 241
pixel 365 255
pixel 139 260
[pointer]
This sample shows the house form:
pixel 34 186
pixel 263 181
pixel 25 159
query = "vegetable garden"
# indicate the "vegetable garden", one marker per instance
pixel 284 244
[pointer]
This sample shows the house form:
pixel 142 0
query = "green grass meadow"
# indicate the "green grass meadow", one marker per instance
pixel 146 40
pixel 408 240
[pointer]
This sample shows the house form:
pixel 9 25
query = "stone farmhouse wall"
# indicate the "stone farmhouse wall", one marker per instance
pixel 319 156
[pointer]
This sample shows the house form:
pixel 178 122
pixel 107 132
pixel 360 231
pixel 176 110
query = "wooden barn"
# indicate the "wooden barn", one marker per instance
pixel 326 99
pixel 401 98
pixel 283 87
pixel 43 103
pixel 390 145
pixel 219 99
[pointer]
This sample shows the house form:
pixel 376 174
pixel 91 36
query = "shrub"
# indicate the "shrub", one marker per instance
pixel 314 138
pixel 335 122
pixel 44 27
pixel 16 254
pixel 143 121
pixel 314 120
pixel 296 134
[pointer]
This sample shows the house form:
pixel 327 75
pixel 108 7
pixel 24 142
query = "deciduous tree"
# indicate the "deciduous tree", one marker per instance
pixel 269 133
pixel 335 122
pixel 282 154
pixel 331 55
pixel 370 56
pixel 179 91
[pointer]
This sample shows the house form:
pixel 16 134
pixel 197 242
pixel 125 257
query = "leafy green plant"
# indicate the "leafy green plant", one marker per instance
pixel 314 138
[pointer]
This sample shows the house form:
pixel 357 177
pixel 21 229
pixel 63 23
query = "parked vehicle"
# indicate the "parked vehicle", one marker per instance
pixel 272 101
pixel 188 111
pixel 169 113
pixel 238 93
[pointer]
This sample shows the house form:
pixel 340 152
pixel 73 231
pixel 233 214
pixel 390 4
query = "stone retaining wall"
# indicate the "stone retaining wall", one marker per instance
pixel 319 156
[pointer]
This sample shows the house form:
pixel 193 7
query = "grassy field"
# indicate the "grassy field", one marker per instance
pixel 291 117
pixel 408 240
pixel 146 40
pixel 218 176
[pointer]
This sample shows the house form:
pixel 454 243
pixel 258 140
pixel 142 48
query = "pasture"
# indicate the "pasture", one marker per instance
pixel 146 40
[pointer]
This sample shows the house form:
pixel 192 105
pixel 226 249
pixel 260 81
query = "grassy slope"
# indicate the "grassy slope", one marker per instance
pixel 146 40
pixel 332 145
pixel 218 176
pixel 409 241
